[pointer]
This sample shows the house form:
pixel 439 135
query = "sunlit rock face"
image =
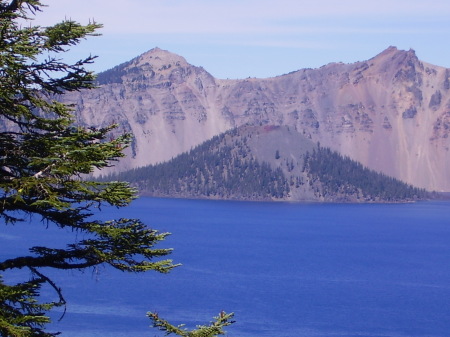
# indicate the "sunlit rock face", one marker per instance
pixel 391 113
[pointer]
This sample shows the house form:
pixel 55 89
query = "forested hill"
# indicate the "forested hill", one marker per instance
pixel 267 163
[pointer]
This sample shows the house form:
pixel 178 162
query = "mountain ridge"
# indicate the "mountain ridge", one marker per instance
pixel 391 112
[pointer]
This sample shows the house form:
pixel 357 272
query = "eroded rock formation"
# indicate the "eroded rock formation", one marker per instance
pixel 391 113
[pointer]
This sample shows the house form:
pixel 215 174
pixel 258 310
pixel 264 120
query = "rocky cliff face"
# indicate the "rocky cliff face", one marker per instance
pixel 391 113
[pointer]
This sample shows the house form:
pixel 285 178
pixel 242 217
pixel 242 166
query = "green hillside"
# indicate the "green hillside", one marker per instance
pixel 243 164
pixel 341 175
pixel 214 169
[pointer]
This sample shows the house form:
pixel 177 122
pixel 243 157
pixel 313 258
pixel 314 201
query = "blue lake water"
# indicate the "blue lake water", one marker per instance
pixel 285 269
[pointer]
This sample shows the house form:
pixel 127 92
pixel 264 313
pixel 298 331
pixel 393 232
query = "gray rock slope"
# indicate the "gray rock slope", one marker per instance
pixel 391 113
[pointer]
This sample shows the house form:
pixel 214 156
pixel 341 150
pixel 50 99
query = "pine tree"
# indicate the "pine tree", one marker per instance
pixel 44 159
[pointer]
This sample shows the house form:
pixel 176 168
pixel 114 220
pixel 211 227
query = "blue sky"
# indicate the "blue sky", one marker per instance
pixel 259 38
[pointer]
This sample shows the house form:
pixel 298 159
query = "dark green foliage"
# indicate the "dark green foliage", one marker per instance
pixel 213 329
pixel 43 157
pixel 225 167
pixel 212 169
pixel 19 298
pixel 341 175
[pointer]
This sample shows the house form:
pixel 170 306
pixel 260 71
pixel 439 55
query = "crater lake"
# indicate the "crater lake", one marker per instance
pixel 284 269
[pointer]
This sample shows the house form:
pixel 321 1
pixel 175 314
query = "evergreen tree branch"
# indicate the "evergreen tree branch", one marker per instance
pixel 215 328
pixel 44 160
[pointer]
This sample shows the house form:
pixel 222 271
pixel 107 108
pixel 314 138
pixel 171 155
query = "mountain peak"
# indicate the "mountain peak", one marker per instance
pixel 154 61
pixel 159 58
pixel 393 52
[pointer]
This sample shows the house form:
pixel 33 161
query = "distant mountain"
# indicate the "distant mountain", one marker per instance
pixel 390 113
pixel 267 163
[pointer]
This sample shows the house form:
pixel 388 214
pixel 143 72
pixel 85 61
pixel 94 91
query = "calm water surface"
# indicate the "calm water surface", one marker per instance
pixel 285 269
